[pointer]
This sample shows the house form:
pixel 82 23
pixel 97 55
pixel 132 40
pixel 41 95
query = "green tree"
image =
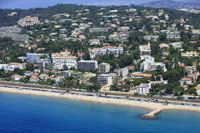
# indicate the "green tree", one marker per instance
pixel 192 91
pixel 29 66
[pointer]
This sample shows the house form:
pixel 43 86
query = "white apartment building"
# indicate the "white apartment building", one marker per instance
pixel 145 49
pixel 3 66
pixel 94 42
pixel 190 54
pixel 28 20
pixel 151 37
pixel 119 36
pixel 176 45
pixel 142 89
pixel 198 89
pixel 98 29
pixel 106 50
pixel 123 72
pixel 173 35
pixel 12 66
pixel 104 68
pixel 154 65
pixel 104 79
pixel 123 29
pixel 149 64
pixel 147 57
pixel 196 32
pixel 64 59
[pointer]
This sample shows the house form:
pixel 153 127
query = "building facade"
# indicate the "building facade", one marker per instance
pixel 35 57
pixel 123 72
pixel 145 49
pixel 64 59
pixel 142 89
pixel 28 20
pixel 104 68
pixel 106 50
pixel 87 65
pixel 104 79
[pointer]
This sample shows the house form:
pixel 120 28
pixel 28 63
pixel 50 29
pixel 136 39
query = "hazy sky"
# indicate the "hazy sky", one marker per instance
pixel 45 3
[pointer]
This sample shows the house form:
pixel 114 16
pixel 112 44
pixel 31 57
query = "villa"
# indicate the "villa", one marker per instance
pixel 186 81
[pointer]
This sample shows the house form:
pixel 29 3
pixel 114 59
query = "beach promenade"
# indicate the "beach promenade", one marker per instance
pixel 155 107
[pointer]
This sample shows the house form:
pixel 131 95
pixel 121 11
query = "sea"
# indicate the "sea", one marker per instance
pixel 25 4
pixel 21 113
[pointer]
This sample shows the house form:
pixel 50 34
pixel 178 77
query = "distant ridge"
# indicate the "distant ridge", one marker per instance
pixel 194 4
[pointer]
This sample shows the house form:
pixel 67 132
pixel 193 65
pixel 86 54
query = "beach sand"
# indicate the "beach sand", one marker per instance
pixel 155 107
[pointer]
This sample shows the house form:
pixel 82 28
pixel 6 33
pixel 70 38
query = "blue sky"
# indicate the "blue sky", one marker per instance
pixel 45 3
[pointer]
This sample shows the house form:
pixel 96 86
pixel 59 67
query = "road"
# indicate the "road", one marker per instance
pixel 162 101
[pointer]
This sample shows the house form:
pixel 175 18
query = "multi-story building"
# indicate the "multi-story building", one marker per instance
pixel 104 68
pixel 98 29
pixel 88 65
pixel 164 46
pixel 142 89
pixel 145 49
pixel 123 72
pixel 12 66
pixel 106 50
pixel 94 42
pixel 42 59
pixel 3 66
pixel 155 65
pixel 123 29
pixel 151 37
pixel 190 54
pixel 36 57
pixel 196 32
pixel 64 59
pixel 198 89
pixel 176 45
pixel 190 69
pixel 119 36
pixel 28 20
pixel 104 79
pixel 147 57
pixel 173 35
pixel 149 64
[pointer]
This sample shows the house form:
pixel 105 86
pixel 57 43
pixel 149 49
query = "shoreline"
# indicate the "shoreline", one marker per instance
pixel 155 107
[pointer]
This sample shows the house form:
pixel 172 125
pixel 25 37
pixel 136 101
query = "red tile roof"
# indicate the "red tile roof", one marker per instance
pixel 186 79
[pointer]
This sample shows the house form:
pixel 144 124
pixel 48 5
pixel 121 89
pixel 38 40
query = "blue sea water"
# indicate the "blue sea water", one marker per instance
pixel 38 114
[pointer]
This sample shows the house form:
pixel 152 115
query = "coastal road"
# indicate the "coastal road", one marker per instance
pixel 162 101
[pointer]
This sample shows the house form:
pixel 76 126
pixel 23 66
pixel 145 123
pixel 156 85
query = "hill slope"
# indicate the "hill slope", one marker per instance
pixel 173 4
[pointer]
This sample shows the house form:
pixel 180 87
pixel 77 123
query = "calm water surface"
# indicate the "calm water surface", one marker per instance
pixel 28 113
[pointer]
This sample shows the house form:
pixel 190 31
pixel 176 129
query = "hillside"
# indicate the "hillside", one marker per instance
pixel 173 4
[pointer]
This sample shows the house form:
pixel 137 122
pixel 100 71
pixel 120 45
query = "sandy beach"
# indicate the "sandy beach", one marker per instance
pixel 155 107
